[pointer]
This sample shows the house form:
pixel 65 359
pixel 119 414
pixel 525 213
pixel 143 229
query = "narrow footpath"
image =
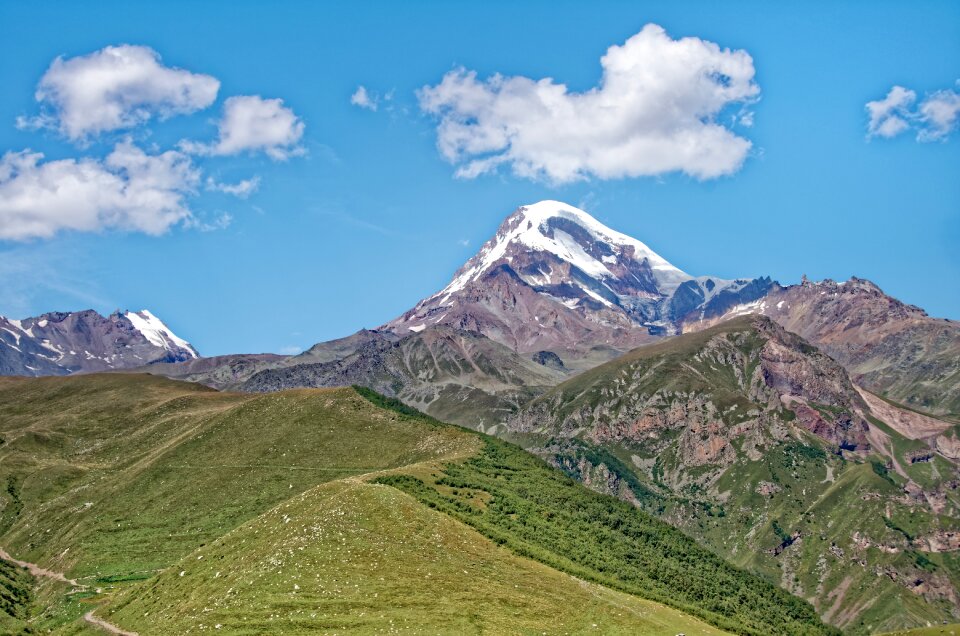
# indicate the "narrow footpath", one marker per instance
pixel 38 571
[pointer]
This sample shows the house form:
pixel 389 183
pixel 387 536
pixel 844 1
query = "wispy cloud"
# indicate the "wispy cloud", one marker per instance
pixel 28 273
pixel 242 189
pixel 350 219
pixel 364 99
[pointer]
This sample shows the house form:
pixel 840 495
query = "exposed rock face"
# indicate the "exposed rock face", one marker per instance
pixel 59 343
pixel 555 279
pixel 548 359
pixel 699 394
pixel 339 348
pixel 940 541
pixel 949 446
pixel 891 348
pixel 910 424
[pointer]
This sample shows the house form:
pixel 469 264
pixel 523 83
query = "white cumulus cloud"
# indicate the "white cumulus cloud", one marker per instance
pixel 128 190
pixel 655 111
pixel 933 119
pixel 362 98
pixel 939 114
pixel 251 123
pixel 888 116
pixel 116 88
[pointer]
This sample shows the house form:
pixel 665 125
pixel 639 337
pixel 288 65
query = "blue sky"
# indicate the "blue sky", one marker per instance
pixel 360 215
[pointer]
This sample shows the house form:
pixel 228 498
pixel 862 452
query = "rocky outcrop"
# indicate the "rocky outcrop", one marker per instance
pixel 940 541
pixel 889 347
pixel 738 381
pixel 948 445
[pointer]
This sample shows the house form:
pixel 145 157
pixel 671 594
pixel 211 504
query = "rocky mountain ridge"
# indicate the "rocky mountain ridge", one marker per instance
pixel 459 376
pixel 60 343
pixel 892 348
pixel 753 440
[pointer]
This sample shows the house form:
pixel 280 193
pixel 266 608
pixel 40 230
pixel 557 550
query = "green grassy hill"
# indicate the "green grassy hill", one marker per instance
pixel 133 472
pixel 178 507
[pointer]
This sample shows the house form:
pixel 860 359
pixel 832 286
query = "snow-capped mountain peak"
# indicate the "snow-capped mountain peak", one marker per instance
pixel 554 276
pixel 571 235
pixel 534 233
pixel 59 343
pixel 154 330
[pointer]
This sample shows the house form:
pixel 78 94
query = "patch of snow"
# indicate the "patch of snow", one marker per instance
pixel 418 328
pixel 46 344
pixel 14 334
pixel 43 323
pixel 596 296
pixel 754 307
pixel 780 304
pixel 19 325
pixel 156 332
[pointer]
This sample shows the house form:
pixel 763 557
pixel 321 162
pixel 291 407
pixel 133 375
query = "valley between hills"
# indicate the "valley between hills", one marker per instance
pixel 574 436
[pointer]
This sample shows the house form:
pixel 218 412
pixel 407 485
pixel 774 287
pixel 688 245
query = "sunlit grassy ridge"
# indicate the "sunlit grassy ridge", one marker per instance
pixel 519 501
pixel 258 513
pixel 363 558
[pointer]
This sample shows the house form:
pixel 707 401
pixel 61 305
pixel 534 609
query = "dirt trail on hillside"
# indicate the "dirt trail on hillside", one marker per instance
pixel 102 624
pixel 38 571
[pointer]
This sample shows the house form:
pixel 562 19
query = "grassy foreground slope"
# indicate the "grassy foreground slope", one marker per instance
pixel 116 476
pixel 358 557
pixel 258 513
pixel 519 501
